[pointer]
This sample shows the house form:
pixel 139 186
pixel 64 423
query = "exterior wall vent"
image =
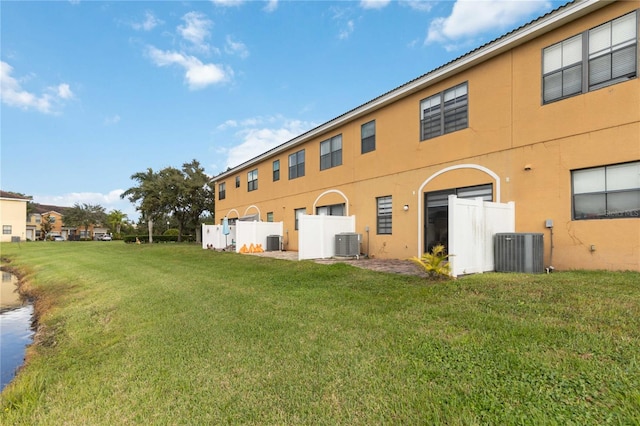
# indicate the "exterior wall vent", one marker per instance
pixel 348 245
pixel 273 242
pixel 519 252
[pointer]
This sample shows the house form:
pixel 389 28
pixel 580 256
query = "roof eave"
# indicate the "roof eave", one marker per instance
pixel 540 26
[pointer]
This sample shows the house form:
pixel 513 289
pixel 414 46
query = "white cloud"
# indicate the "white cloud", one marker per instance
pixel 64 92
pixel 470 18
pixel 374 4
pixel 347 30
pixel 108 121
pixel 197 74
pixel 227 3
pixel 196 30
pixel 13 94
pixel 271 6
pixel 149 23
pixel 110 201
pixel 420 5
pixel 236 48
pixel 256 141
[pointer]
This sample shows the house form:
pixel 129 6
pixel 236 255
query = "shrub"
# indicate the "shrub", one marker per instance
pixel 435 264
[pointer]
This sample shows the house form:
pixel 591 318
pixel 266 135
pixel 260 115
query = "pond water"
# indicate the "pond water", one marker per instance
pixel 16 333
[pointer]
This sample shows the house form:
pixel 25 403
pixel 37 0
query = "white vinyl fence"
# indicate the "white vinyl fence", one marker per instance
pixel 256 233
pixel 213 237
pixel 317 234
pixel 472 225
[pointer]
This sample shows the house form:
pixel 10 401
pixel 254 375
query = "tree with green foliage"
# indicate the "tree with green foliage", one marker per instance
pixel 46 225
pixel 183 194
pixel 84 215
pixel 115 219
pixel 147 197
pixel 186 194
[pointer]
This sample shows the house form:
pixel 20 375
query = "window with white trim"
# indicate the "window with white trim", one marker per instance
pixel 445 112
pixel 252 180
pixel 296 165
pixel 383 215
pixel 331 152
pixel 601 56
pixel 269 216
pixel 222 191
pixel 237 181
pixel 607 192
pixel 276 170
pixel 6 229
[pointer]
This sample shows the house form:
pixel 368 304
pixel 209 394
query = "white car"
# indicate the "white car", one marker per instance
pixel 105 237
pixel 58 238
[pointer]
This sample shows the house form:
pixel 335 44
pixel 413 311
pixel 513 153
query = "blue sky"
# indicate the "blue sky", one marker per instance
pixel 93 92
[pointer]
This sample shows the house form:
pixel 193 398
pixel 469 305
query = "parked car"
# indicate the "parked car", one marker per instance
pixel 105 237
pixel 57 238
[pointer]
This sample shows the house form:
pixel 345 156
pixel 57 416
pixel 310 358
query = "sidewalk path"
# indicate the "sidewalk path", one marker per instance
pixel 393 266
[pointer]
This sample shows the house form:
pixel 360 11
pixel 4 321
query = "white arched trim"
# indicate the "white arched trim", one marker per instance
pixel 490 172
pixel 346 200
pixel 246 211
pixel 231 211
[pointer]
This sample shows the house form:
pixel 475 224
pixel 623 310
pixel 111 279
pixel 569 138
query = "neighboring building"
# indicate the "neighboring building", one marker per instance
pixel 547 116
pixel 13 216
pixel 41 213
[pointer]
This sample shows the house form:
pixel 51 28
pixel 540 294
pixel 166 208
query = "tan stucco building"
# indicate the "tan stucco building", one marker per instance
pixel 547 117
pixel 13 216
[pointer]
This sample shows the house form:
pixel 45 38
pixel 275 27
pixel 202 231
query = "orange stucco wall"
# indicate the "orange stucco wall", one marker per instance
pixel 509 128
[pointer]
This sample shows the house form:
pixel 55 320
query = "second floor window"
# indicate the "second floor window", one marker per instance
pixel 222 191
pixel 237 181
pixel 610 56
pixel 331 152
pixel 368 137
pixel 296 165
pixel 252 180
pixel 445 112
pixel 276 170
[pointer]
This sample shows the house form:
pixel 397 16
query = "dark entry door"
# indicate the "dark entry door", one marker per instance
pixel 436 212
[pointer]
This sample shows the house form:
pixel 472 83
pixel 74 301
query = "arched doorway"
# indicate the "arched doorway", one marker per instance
pixel 433 206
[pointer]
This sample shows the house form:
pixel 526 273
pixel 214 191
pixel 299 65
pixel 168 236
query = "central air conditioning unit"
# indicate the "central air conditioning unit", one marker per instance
pixel 519 252
pixel 348 244
pixel 273 242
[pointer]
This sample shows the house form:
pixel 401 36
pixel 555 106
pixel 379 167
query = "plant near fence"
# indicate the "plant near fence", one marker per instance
pixel 435 264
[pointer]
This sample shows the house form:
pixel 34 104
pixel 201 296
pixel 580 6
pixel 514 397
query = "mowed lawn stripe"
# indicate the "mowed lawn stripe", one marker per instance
pixel 173 334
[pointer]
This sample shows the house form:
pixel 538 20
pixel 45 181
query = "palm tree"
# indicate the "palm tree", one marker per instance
pixel 147 194
pixel 115 219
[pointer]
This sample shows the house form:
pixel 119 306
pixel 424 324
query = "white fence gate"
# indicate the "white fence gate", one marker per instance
pixel 472 225
pixel 317 234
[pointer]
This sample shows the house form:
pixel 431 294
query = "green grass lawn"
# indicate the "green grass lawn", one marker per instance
pixel 173 334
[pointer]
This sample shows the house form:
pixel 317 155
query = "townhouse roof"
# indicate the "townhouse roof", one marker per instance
pixel 14 196
pixel 533 29
pixel 46 208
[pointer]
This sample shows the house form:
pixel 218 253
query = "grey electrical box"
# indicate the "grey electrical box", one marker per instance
pixel 273 242
pixel 348 244
pixel 519 252
pixel 549 223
